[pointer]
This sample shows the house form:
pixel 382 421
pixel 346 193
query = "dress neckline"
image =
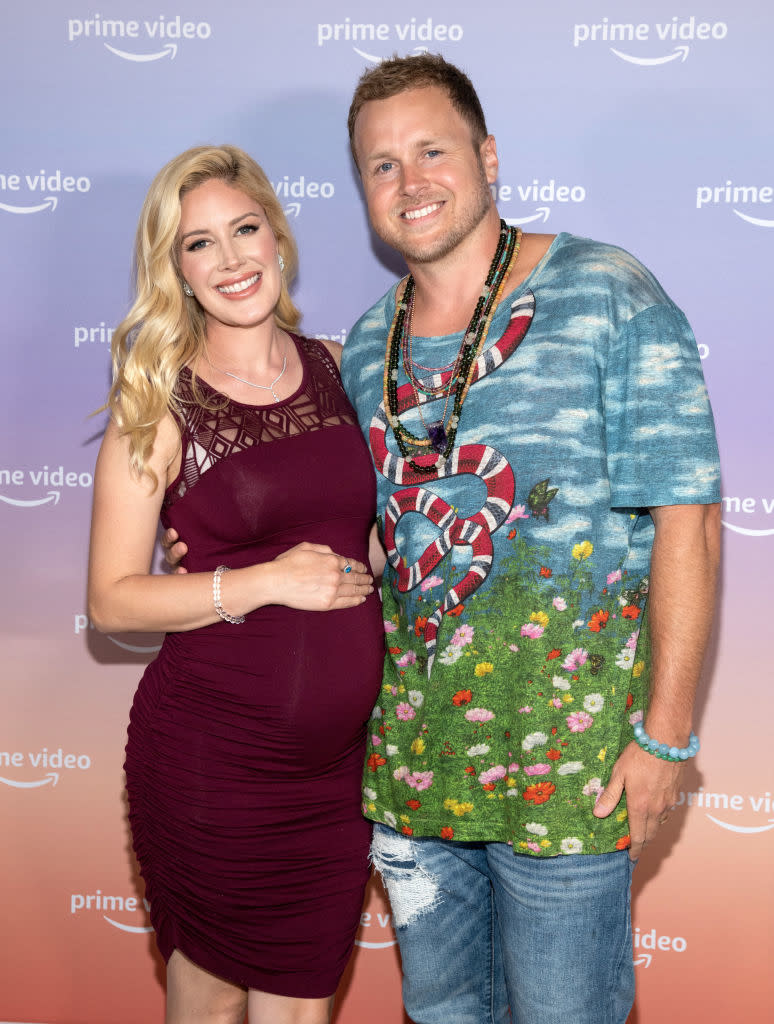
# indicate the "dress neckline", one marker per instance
pixel 296 339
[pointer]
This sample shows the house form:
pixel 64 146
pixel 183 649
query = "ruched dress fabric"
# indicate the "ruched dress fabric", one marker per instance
pixel 245 743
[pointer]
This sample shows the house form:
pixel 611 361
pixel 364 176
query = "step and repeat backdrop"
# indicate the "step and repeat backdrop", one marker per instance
pixel 646 124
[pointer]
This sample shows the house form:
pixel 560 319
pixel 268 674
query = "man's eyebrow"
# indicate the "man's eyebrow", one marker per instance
pixel 385 154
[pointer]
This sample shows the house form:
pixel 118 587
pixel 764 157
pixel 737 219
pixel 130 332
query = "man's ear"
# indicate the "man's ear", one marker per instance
pixel 488 152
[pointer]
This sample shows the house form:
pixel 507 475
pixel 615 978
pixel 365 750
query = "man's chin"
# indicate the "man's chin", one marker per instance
pixel 416 251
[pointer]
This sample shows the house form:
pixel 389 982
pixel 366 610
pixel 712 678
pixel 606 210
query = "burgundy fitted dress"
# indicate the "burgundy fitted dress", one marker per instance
pixel 245 743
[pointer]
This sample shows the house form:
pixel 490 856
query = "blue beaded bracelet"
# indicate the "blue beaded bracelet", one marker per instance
pixel 663 750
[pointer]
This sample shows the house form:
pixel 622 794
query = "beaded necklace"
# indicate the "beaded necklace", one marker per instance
pixel 440 436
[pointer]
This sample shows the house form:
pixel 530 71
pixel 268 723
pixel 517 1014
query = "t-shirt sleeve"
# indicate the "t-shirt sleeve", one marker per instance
pixel 659 432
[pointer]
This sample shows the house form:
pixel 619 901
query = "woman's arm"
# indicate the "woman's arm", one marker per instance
pixel 124 596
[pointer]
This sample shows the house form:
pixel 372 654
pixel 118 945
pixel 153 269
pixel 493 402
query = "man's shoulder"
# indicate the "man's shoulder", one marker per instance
pixel 377 316
pixel 602 257
pixel 576 262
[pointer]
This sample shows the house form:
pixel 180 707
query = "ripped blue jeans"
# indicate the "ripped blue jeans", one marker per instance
pixel 490 937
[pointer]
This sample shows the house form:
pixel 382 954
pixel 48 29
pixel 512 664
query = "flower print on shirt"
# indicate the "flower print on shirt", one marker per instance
pixel 462 635
pixel 479 715
pixel 593 703
pixel 532 630
pixel 579 721
pixel 625 658
pixel 429 582
pixel 575 659
pixel 539 792
pixel 449 655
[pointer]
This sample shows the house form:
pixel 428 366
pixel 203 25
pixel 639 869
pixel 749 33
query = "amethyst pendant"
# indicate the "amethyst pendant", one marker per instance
pixel 437 434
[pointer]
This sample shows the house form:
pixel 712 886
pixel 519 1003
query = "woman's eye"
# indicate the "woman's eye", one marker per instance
pixel 198 244
pixel 247 229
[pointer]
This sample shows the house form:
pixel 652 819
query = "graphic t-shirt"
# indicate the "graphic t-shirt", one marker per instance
pixel 515 597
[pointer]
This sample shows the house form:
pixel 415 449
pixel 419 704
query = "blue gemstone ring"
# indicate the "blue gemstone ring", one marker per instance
pixel 347 568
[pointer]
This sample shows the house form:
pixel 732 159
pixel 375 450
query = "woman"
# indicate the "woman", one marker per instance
pixel 246 734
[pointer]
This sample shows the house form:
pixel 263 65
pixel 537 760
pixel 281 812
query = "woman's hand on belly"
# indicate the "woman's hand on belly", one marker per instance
pixel 312 577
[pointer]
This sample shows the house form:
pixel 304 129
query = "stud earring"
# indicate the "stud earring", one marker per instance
pixel 281 262
pixel 188 289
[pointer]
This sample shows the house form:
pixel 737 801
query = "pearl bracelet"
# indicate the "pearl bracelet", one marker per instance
pixel 233 619
pixel 663 750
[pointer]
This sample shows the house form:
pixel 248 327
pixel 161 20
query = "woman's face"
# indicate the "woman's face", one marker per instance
pixel 228 255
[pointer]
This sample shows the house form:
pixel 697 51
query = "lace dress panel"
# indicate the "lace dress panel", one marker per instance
pixel 223 427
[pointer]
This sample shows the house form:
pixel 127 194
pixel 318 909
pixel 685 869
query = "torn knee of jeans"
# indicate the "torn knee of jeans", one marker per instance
pixel 412 890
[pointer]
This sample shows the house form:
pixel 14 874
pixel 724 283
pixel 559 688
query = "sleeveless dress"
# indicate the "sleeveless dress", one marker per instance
pixel 246 742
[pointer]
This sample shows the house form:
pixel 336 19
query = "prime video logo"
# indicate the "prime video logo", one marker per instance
pixel 660 36
pixel 98 901
pixel 370 36
pixel 138 41
pixel 26 193
pixel 54 481
pixel 40 763
pixel 721 808
pixel 537 195
pixel 736 506
pixel 731 195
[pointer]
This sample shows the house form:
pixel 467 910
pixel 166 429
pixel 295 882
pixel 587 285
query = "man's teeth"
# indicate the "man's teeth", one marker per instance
pixel 416 214
pixel 233 289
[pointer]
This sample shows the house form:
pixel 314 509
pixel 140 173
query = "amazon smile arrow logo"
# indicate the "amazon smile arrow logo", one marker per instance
pixel 49 203
pixel 135 929
pixel 373 59
pixel 758 221
pixel 679 52
pixel 743 829
pixel 135 648
pixel 52 777
pixel 542 213
pixel 746 531
pixel 170 50
pixel 52 497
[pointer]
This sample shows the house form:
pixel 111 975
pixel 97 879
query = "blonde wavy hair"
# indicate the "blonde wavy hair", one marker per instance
pixel 165 330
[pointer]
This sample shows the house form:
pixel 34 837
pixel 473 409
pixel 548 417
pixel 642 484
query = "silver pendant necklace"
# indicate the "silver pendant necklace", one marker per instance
pixel 243 380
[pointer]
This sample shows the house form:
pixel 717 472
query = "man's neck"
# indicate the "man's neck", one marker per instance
pixel 446 290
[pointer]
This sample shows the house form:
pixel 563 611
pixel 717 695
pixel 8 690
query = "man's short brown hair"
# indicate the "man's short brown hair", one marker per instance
pixel 398 74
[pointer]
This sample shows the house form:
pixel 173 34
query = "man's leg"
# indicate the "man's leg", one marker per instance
pixel 445 919
pixel 566 935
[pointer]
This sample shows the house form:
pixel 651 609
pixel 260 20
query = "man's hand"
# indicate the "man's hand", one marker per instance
pixel 174 550
pixel 651 785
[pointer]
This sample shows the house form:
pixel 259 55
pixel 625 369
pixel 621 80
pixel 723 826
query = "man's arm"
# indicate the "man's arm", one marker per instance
pixel 681 604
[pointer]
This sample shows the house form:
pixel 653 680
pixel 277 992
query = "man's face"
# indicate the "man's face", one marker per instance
pixel 426 183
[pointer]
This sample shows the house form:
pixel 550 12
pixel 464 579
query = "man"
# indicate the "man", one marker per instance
pixel 547 493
